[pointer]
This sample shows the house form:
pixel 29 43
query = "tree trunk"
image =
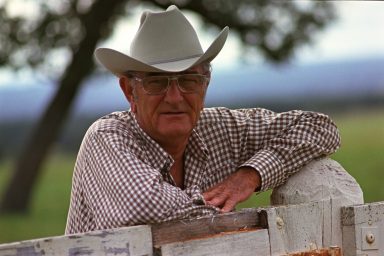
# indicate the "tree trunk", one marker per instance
pixel 18 193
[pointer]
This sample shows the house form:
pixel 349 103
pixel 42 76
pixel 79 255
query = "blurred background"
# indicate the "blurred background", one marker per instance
pixel 282 55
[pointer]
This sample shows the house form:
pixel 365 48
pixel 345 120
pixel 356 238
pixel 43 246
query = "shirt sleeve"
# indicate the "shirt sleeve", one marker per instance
pixel 120 189
pixel 278 144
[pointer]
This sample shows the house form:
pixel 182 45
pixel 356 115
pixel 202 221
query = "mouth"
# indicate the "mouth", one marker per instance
pixel 173 113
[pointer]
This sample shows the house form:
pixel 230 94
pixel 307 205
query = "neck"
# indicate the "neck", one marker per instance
pixel 175 147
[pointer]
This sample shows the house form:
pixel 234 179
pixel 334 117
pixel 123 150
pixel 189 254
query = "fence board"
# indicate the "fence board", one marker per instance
pixel 131 241
pixel 295 227
pixel 273 230
pixel 254 242
pixel 194 228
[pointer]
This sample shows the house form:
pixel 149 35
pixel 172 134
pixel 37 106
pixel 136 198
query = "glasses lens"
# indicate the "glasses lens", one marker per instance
pixel 190 83
pixel 187 83
pixel 155 84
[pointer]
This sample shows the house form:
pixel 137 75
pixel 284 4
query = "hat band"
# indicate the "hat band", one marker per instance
pixel 173 60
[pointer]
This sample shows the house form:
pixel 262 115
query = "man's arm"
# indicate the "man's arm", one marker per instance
pixel 277 145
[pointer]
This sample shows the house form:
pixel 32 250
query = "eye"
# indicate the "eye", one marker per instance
pixel 155 84
pixel 189 79
pixel 191 83
pixel 155 81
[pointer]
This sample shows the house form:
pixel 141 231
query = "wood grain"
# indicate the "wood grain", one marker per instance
pixel 182 230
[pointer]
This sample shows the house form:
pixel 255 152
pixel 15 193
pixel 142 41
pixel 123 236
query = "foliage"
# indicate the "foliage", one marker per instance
pixel 52 30
pixel 43 35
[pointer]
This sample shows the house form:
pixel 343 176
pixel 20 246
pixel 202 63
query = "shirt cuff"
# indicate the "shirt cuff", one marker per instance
pixel 270 168
pixel 195 194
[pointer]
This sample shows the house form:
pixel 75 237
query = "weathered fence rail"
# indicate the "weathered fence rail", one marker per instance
pixel 308 216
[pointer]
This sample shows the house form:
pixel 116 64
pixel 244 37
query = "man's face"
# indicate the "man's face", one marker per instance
pixel 167 116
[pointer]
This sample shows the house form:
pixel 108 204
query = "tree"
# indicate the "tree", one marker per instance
pixel 274 28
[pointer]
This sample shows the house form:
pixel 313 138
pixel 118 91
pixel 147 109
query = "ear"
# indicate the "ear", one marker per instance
pixel 127 88
pixel 204 94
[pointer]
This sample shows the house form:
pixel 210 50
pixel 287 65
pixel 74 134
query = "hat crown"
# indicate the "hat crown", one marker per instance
pixel 165 37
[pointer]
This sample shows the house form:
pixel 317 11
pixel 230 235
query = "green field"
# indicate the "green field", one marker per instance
pixel 361 154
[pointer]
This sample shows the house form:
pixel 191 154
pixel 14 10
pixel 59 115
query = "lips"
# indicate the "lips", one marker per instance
pixel 176 114
pixel 173 113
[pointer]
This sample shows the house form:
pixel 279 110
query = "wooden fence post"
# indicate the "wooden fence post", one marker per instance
pixel 324 181
pixel 363 229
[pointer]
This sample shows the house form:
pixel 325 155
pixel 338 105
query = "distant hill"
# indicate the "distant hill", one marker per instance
pixel 343 81
pixel 242 87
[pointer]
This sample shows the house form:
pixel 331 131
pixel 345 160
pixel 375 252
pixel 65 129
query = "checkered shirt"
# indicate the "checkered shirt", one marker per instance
pixel 122 176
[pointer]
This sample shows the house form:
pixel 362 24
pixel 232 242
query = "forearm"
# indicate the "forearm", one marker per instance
pixel 306 136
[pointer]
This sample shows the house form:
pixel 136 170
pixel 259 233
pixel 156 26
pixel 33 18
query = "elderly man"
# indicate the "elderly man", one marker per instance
pixel 168 157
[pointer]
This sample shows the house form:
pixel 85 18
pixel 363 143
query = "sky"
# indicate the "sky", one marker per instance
pixel 358 32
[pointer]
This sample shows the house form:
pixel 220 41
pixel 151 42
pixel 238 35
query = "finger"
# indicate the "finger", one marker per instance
pixel 218 200
pixel 209 195
pixel 212 192
pixel 229 205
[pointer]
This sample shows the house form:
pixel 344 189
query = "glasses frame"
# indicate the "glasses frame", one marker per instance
pixel 170 78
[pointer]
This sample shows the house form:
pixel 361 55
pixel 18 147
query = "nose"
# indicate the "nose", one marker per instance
pixel 173 94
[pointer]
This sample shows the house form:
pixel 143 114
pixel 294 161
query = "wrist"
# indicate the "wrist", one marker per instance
pixel 252 176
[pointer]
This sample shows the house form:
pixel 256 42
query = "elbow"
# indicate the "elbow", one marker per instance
pixel 332 138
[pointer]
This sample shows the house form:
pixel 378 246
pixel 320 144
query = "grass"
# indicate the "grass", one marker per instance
pixel 360 154
pixel 49 206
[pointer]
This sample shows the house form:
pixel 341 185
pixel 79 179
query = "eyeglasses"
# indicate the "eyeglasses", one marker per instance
pixel 187 83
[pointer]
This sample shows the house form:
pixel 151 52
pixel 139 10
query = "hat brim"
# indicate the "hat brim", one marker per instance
pixel 119 63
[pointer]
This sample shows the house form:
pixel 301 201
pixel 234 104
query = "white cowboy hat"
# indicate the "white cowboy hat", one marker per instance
pixel 164 42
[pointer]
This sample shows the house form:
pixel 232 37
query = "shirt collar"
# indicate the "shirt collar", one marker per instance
pixel 196 147
pixel 156 155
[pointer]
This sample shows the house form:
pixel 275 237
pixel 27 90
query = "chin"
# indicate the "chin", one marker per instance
pixel 175 132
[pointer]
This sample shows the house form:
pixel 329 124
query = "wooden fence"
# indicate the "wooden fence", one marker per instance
pixel 329 219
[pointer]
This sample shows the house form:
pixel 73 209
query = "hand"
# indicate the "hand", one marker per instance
pixel 237 188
